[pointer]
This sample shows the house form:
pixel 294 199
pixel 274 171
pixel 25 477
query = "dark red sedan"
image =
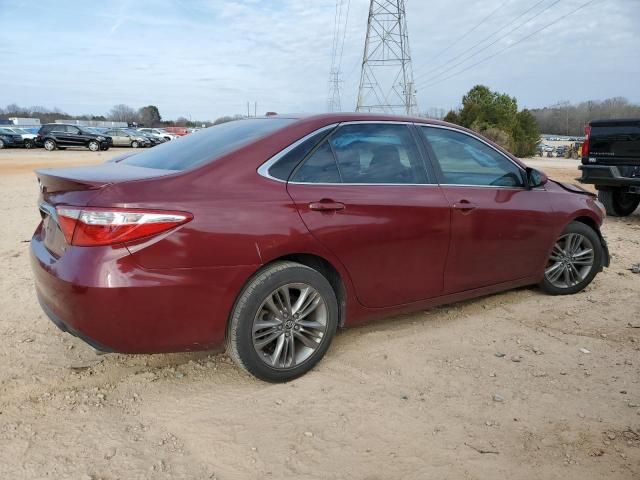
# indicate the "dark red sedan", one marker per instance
pixel 270 233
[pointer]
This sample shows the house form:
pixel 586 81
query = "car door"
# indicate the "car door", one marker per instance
pixel 59 133
pixel 121 139
pixel 73 136
pixel 364 193
pixel 500 230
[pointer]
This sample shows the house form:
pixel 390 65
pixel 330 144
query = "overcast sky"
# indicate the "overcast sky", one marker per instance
pixel 205 59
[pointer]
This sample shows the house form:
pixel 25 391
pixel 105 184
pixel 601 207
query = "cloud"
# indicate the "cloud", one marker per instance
pixel 209 57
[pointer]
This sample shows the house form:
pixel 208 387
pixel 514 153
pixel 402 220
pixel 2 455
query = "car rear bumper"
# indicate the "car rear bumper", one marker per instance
pixel 607 175
pixel 102 296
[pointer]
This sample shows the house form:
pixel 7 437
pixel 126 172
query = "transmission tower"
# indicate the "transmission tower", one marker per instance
pixel 339 31
pixel 386 80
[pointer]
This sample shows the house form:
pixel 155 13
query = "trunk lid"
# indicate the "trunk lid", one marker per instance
pixel 76 186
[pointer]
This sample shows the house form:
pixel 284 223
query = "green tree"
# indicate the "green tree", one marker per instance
pixel 495 115
pixel 525 134
pixel 452 117
pixel 149 116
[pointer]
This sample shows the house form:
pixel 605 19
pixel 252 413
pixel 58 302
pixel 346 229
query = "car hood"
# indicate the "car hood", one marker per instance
pixel 573 188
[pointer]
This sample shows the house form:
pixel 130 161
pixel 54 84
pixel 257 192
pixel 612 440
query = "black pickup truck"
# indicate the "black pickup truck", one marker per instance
pixel 611 162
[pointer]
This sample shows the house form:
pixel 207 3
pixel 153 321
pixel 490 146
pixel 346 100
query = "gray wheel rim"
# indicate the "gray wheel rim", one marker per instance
pixel 49 145
pixel 289 326
pixel 571 260
pixel 93 146
pixel 1 144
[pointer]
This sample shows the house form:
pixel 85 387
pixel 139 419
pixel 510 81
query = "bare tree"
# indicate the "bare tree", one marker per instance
pixel 123 113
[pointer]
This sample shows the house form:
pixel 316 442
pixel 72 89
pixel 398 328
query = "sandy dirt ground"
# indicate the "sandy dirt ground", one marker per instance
pixel 494 388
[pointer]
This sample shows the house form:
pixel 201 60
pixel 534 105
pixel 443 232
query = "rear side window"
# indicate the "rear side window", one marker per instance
pixel 287 163
pixel 377 153
pixel 207 145
pixel 320 167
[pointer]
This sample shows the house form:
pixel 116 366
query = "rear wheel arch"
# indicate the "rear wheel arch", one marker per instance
pixel 315 262
pixel 328 271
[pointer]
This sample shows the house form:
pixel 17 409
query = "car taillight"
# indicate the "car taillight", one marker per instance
pixel 585 144
pixel 92 226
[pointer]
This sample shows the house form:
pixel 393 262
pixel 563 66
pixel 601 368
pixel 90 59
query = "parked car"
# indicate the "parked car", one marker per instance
pixel 158 132
pixel 54 136
pixel 123 137
pixel 177 131
pixel 152 139
pixel 611 162
pixel 10 139
pixel 28 136
pixel 266 234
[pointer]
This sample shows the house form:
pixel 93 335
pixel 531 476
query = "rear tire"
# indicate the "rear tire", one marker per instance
pixel 575 260
pixel 618 203
pixel 282 322
pixel 1 144
pixel 50 145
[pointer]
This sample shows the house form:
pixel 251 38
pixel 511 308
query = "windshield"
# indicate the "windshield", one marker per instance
pixel 207 145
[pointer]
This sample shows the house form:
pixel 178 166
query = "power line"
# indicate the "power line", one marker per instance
pixel 455 42
pixel 489 57
pixel 480 42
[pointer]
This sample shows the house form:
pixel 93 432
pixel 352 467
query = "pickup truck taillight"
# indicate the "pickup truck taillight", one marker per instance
pixel 585 144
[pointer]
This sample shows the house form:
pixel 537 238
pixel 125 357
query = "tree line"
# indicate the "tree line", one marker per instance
pixel 570 119
pixel 148 116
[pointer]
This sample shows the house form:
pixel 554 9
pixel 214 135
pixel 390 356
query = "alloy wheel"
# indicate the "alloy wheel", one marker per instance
pixel 571 260
pixel 290 325
pixel 94 146
pixel 49 145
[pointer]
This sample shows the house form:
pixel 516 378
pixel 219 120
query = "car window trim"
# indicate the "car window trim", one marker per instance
pixel 263 170
pixel 438 169
pixel 377 122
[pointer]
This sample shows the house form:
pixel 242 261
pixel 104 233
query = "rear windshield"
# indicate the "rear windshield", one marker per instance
pixel 207 144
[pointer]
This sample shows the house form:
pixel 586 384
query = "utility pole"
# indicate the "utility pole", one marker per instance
pixel 386 79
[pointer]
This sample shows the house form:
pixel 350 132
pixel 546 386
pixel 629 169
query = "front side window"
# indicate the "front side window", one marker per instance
pixel 377 153
pixel 464 160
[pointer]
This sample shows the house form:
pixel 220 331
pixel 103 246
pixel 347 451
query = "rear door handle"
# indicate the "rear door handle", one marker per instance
pixel 465 206
pixel 326 206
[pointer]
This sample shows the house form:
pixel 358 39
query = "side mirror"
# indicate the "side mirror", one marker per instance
pixel 535 178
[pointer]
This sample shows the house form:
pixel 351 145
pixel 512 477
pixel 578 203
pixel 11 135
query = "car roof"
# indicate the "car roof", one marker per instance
pixel 356 116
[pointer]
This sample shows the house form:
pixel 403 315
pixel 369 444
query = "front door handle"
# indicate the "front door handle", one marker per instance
pixel 326 205
pixel 465 205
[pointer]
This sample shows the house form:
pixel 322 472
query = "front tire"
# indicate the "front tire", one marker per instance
pixel 618 203
pixel 94 146
pixel 135 144
pixel 28 144
pixel 50 145
pixel 575 260
pixel 282 322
